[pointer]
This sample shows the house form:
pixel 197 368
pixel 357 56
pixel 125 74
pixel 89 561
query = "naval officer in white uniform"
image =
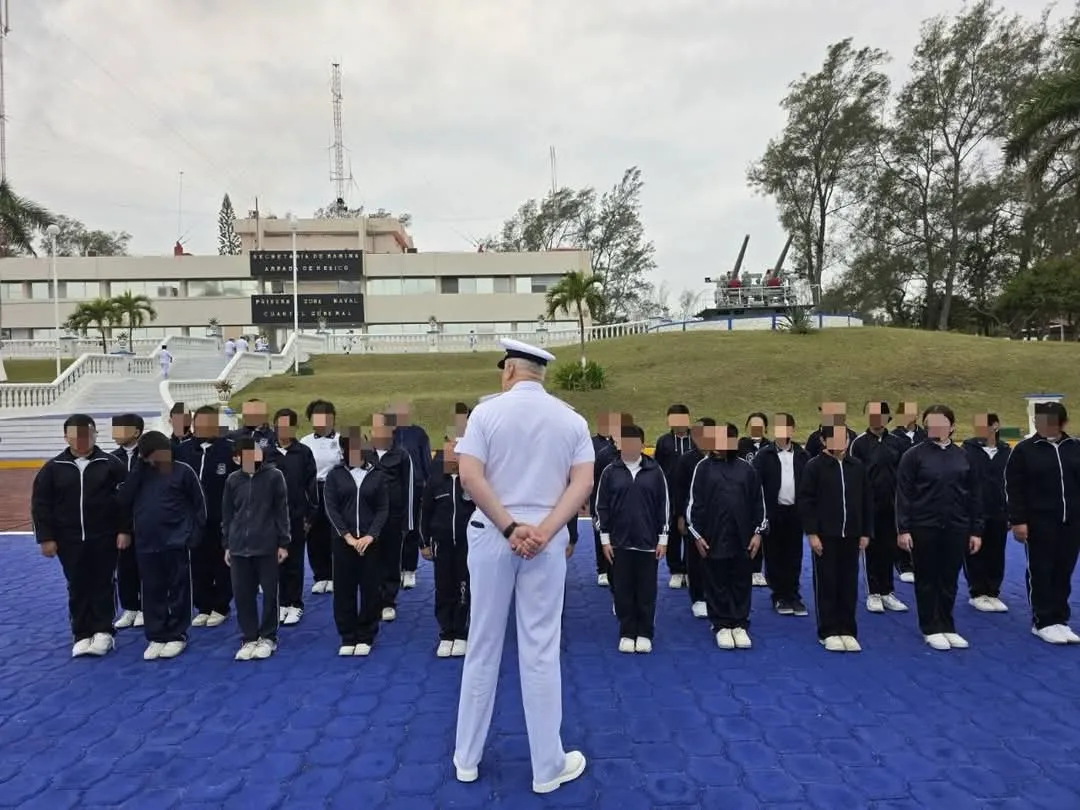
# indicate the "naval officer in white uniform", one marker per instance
pixel 519 451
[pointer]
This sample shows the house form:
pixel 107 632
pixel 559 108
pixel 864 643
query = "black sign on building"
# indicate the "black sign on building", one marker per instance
pixel 311 265
pixel 329 309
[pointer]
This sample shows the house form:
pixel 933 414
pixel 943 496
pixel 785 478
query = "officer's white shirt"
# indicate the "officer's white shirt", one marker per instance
pixel 527 441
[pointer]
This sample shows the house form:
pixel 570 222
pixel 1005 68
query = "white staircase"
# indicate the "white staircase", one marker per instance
pixel 35 438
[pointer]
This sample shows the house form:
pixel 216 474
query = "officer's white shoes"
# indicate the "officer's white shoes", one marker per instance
pixel 642 645
pixel 126 620
pixel 700 610
pixel 602 580
pixel 677 581
pixel 626 645
pixel 389 614
pixel 408 579
pixel 459 648
pixel 1055 634
pixel 444 648
pixel 574 767
pixel 466 774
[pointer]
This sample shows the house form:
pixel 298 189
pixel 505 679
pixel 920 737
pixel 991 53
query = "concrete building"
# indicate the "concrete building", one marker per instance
pixel 360 274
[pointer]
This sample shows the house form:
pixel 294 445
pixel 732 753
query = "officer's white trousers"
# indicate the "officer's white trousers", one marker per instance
pixel 499 577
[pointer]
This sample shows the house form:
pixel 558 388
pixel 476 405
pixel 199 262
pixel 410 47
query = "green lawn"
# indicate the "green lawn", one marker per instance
pixel 34 371
pixel 720 374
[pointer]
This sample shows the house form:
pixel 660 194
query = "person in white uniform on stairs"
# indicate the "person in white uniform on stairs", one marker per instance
pixel 166 361
pixel 519 451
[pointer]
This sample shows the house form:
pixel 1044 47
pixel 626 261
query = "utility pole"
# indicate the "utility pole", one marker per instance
pixel 4 29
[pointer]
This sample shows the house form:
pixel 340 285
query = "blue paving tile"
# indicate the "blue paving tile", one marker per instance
pixel 784 725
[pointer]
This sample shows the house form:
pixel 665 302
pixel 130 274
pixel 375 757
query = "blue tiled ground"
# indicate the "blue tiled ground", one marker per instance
pixel 785 725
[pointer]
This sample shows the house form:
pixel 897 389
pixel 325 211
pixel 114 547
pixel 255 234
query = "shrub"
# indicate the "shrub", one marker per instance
pixel 574 377
pixel 306 370
pixel 797 321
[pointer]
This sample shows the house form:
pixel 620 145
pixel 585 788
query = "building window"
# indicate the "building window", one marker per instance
pixel 151 289
pixel 419 286
pixel 273 287
pixel 523 285
pixel 40 290
pixel 502 284
pixel 484 285
pixel 384 286
pixel 349 287
pixel 449 285
pixel 12 291
pixel 80 290
pixel 541 284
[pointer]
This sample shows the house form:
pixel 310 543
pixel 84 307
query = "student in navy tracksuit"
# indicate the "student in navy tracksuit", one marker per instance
pixel 985 571
pixel 180 421
pixel 163 508
pixel 939 519
pixel 605 452
pixel 210 454
pixel 1042 483
pixel 749 446
pixel 127 428
pixel 444 522
pixel 725 514
pixel 256 425
pixel 668 450
pixel 357 499
pixel 910 431
pixel 632 513
pixel 832 413
pixel 297 462
pixel 679 486
pixel 414 440
pixel 73 506
pixel 880 452
pixel 836 506
pixel 396 464
pixel 779 466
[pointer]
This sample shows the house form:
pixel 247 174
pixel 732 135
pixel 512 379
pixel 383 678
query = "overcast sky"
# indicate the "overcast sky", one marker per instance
pixel 450 107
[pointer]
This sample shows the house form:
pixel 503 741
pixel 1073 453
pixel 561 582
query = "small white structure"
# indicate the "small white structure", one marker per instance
pixel 1038 399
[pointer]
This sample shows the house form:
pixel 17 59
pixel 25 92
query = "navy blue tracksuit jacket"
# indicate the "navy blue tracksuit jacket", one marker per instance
pixel 212 461
pixel 633 510
pixel 725 505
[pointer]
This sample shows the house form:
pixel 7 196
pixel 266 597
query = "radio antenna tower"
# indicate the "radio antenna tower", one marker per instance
pixel 4 29
pixel 337 175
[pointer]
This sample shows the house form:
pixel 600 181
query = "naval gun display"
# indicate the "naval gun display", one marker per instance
pixel 772 292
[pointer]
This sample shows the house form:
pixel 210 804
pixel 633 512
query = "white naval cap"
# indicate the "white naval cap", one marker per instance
pixel 523 351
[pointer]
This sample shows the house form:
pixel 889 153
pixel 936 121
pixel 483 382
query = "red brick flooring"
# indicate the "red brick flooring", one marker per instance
pixel 15 499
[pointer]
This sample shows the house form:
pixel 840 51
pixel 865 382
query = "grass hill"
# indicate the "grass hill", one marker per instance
pixel 725 375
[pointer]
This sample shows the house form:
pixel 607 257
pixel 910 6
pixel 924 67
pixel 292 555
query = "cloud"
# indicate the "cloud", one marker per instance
pixel 449 108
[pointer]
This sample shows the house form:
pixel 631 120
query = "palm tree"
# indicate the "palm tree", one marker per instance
pixel 20 221
pixel 100 314
pixel 134 311
pixel 576 294
pixel 1047 124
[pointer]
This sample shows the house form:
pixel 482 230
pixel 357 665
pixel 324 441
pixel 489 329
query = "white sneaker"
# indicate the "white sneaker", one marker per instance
pixel 700 610
pixel 389 614
pixel 626 645
pixel 724 640
pixel 408 579
pixel 602 580
pixel 983 604
pixel 874 604
pixel 643 645
pixel 677 581
pixel 319 586
pixel 200 620
pixel 908 577
pixel 759 581
pixel 444 648
pixel 742 638
pixel 328 586
pixel 833 644
pixel 890 602
pixel 574 767
pixel 126 620
pixel 362 649
pixel 172 649
pixel 346 650
pixel 461 646
pixel 139 621
pixel 851 644
pixel 246 651
pixel 956 641
pixel 264 648
pixel 466 774
pixel 153 651
pixel 215 619
pixel 999 606
pixel 1051 634
pixel 938 641
pixel 293 615
pixel 101 644
pixel 1067 633
pixel 81 648
pixel 282 612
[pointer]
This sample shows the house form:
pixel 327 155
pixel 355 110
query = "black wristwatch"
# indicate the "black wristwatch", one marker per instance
pixel 509 530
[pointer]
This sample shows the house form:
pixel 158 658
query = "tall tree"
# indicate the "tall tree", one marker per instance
pixel 20 221
pixel 228 240
pixel 830 137
pixel 100 314
pixel 578 295
pixel 133 311
pixel 75 239
pixel 609 226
